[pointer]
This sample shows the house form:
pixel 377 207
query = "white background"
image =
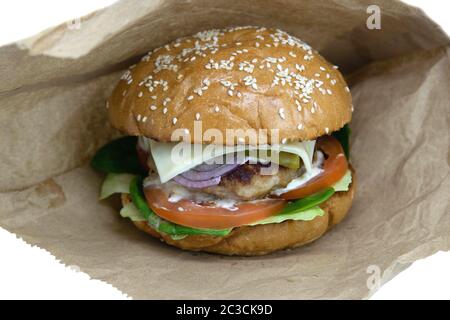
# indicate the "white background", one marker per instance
pixel 30 272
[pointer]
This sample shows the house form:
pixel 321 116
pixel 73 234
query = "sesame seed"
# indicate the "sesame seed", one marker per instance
pixel 174 121
pixel 322 68
pixel 164 110
pixel 281 113
pixel 138 118
pixel 230 92
pixel 216 109
pixel 140 94
pixel 144 119
pixel 317 75
pixel 327 130
pixel 153 97
pixel 300 126
pixel 329 92
pixel 333 82
pixel 198 91
pixel 313 110
pixel 180 209
pixel 347 89
pixel 190 98
pixel 335 67
pixel 197 116
pixel 292 54
pixel 124 92
pixel 300 67
pixel 153 107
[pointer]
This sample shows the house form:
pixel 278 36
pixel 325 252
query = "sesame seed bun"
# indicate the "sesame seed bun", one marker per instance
pixel 264 239
pixel 243 78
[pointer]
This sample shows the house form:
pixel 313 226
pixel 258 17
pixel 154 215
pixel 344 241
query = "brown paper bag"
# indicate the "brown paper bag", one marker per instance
pixel 52 119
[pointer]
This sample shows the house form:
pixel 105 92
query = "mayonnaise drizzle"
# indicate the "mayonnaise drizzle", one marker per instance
pixel 178 192
pixel 304 178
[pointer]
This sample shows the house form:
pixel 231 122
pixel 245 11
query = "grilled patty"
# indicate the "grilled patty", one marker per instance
pixel 251 181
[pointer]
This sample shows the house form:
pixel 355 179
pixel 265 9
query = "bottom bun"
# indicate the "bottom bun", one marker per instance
pixel 267 238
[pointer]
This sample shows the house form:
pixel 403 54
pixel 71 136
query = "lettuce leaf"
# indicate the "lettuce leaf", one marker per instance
pixel 118 156
pixel 116 183
pixel 344 183
pixel 343 136
pixel 304 215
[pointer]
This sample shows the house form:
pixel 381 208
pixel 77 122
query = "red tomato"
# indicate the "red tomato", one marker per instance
pixel 188 213
pixel 334 168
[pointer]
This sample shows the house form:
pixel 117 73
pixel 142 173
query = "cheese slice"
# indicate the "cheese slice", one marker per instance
pixel 174 158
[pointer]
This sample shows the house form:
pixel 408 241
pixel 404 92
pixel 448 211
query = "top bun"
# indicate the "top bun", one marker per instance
pixel 236 78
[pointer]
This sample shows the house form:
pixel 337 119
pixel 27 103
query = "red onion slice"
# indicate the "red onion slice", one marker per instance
pixel 206 175
pixel 207 167
pixel 197 184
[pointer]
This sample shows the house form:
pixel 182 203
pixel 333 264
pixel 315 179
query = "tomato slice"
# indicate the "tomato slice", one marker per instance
pixel 334 168
pixel 190 214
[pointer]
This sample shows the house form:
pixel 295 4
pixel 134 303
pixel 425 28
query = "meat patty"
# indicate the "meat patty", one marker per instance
pixel 247 182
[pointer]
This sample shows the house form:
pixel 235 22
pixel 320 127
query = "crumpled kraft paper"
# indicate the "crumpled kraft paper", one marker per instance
pixel 52 119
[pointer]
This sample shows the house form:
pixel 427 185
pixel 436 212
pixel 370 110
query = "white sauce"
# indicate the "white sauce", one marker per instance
pixel 228 204
pixel 178 192
pixel 143 144
pixel 304 178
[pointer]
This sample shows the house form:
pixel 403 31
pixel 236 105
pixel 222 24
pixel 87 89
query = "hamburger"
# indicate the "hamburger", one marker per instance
pixel 236 142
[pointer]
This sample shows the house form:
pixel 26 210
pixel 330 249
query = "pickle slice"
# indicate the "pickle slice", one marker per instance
pixel 285 159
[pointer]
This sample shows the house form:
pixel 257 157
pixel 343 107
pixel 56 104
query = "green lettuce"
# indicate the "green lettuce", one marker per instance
pixel 343 136
pixel 118 156
pixel 116 183
pixel 344 183
pixel 305 215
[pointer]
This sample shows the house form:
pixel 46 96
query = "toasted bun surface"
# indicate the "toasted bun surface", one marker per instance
pixel 264 239
pixel 244 78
